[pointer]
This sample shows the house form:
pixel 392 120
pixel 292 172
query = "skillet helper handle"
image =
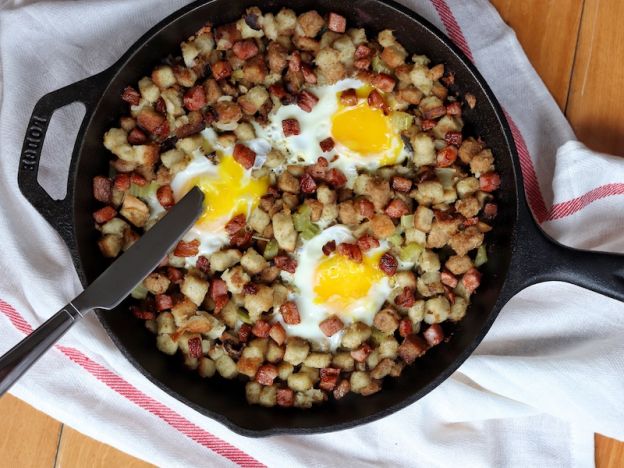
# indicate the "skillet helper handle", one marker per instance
pixel 23 355
pixel 56 212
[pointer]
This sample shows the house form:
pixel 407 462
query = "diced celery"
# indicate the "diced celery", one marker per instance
pixel 481 256
pixel 401 121
pixel 378 336
pixel 243 315
pixel 301 219
pixel 379 66
pixel 271 249
pixel 446 175
pixel 407 222
pixel 396 240
pixel 310 231
pixel 140 292
pixel 411 252
pixel 144 192
pixel 237 74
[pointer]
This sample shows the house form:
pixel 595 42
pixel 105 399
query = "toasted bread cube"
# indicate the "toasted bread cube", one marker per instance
pixel 221 261
pixel 284 369
pixel 269 26
pixel 165 344
pixel 318 360
pixel 156 283
pixel 388 347
pixel 355 334
pixel 382 369
pixel 268 396
pixel 165 323
pixel 259 220
pixel 386 321
pixel 359 380
pixel 149 91
pixel 423 217
pixel 329 214
pixel 206 367
pixel 309 24
pixel 373 359
pixel 236 279
pixel 344 361
pixel 326 195
pixel 314 373
pixel 299 382
pixel 247 32
pixel 308 398
pixel 134 210
pixel 194 288
pixel 226 367
pixel 421 79
pixel 285 22
pixel 430 192
pixel 467 187
pixel 412 347
pixel 284 231
pixel 458 309
pixel 257 304
pixel 424 149
pixel 416 313
pixel 163 77
pixel 252 392
pixel 182 310
pixel 275 353
pixel 146 155
pixel 110 245
pixel 116 226
pixel 249 365
pixel 253 262
pixel 429 261
pixel 297 350
pixel 437 309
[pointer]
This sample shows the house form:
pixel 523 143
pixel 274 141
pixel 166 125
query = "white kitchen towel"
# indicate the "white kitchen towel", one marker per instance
pixel 547 376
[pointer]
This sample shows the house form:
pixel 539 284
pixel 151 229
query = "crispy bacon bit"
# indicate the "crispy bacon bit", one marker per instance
pixel 308 73
pixel 285 397
pixel 236 224
pixel 453 138
pixel 244 156
pixel 396 208
pixel 449 293
pixel 250 288
pixel 220 302
pixel 174 275
pixel 261 328
pixel 131 96
pixel 160 105
pixel 335 178
pixel 331 325
pixel 102 189
pixel 226 35
pixel 278 333
pixel 427 124
pixel 490 210
pixel 221 69
pixel 471 280
pixel 434 113
pixel 150 120
pixel 336 22
pixel 163 302
pixel 454 108
pixel 290 313
pixel 137 136
pixel 164 195
pixel 365 207
pixel 448 278
pixel 361 353
pixel 218 287
pixel 327 144
pixel 195 347
pixel 351 251
pixel 291 127
pixel 196 124
pixel 285 263
pixel 406 298
pixel 187 249
pixel 388 264
pixel 362 51
pixel 138 179
pixel 329 247
pixel 203 264
pixel 471 100
pixel 434 334
pixel 448 79
pixel 470 221
pixel 489 181
pixel 342 389
pixel 307 183
pixel 362 64
pixel 446 156
pixel 294 62
pixel 384 82
pixel 319 169
pixel 104 214
pixel 266 374
pixel 244 332
pixel 241 239
pixel 405 327
pixel 142 314
pixel 195 98
pixel 306 100
pixel 401 184
pixel 245 49
pixel 348 97
pixel 329 378
pixel 277 90
pixel 376 100
pixel 367 242
pixel 412 347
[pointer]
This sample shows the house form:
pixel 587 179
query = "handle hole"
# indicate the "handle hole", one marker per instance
pixel 57 149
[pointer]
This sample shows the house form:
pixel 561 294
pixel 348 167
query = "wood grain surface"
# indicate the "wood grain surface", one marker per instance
pixel 577 47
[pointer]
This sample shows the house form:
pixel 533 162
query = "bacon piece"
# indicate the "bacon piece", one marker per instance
pixel 348 97
pixel 396 208
pixel 489 181
pixel 362 64
pixel 319 169
pixel 434 334
pixel 365 207
pixel 329 378
pixel 285 263
pixel 187 249
pixel 351 251
pixel 306 100
pixel 203 264
pixel 290 313
pixel 376 100
pixel 278 333
pixel 220 302
pixel 342 389
pixel 327 145
pixel 142 314
pixel 250 288
pixel 277 90
pixel 244 332
pixel 151 120
pixel 307 183
pixel 427 124
pixel 122 182
pixel 160 105
pixel 195 98
pixel 218 287
pixel 490 210
pixel 104 214
pixel 329 247
pixel 244 156
pixel 291 127
pixel 308 73
pixel 236 224
pixel 401 184
pixel 331 325
pixel 294 62
pixel 221 70
pixel 388 264
pixel 174 275
pixel 361 353
pixel 261 328
pixel 226 35
pixel 245 49
pixel 335 178
pixel 165 196
pixel 241 239
pixel 446 156
pixel 131 96
pixel 285 397
pixel 434 113
pixel 137 136
pixel 195 125
pixel 471 280
pixel 412 347
pixel 405 327
pixel 454 138
pixel 195 347
pixel 266 374
pixel 454 108
pixel 470 221
pixel 362 51
pixel 367 242
pixel 406 298
pixel 336 22
pixel 102 189
pixel 138 179
pixel 384 82
pixel 163 302
pixel 448 278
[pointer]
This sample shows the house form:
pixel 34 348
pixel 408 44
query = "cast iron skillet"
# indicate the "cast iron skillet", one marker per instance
pixel 520 253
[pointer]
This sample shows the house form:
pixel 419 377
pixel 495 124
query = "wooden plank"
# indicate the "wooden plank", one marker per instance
pixel 547 30
pixel 78 450
pixel 27 437
pixel 595 106
pixel 609 452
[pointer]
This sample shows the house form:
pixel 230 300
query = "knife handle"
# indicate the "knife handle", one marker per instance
pixel 24 354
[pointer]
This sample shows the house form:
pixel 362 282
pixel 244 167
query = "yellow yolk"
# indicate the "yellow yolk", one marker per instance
pixel 227 193
pixel 339 281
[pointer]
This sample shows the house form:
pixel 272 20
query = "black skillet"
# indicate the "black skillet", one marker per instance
pixel 520 253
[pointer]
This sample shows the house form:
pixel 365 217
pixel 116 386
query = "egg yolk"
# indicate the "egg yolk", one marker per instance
pixel 362 129
pixel 227 193
pixel 339 281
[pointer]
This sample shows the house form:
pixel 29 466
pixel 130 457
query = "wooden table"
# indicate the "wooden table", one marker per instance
pixel 575 45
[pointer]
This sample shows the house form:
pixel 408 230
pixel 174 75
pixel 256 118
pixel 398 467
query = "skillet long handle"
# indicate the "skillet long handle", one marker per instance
pixel 24 354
